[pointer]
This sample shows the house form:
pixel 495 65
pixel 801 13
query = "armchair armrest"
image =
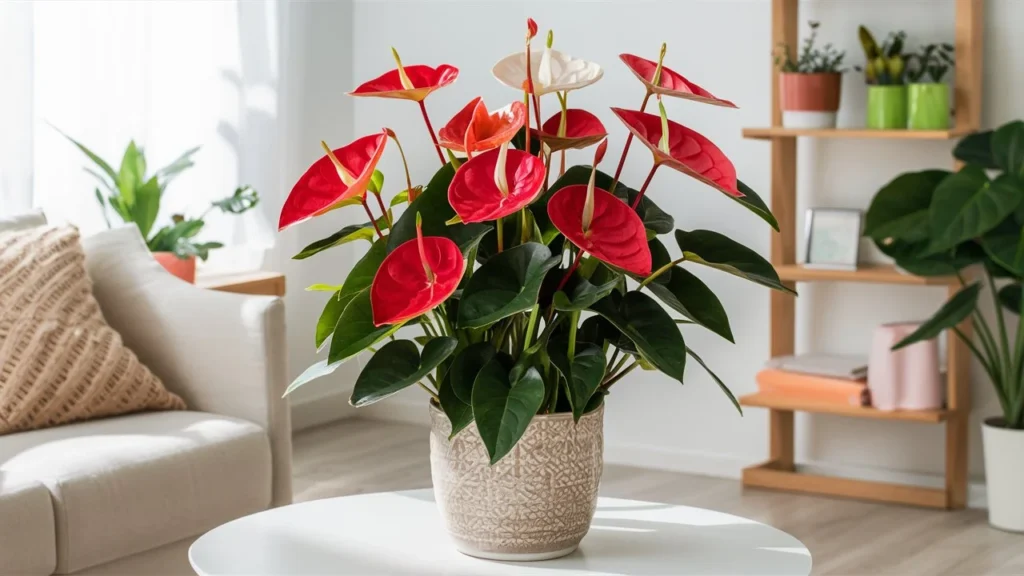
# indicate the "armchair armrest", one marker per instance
pixel 223 353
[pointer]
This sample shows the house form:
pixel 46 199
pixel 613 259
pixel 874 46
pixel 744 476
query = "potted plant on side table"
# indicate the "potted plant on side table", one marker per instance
pixel 939 223
pixel 927 94
pixel 883 72
pixel 810 85
pixel 517 299
pixel 135 198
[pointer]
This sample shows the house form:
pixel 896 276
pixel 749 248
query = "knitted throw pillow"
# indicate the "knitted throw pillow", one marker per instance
pixel 59 360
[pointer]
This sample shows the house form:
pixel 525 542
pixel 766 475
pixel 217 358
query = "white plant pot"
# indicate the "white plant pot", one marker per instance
pixel 1004 474
pixel 808 119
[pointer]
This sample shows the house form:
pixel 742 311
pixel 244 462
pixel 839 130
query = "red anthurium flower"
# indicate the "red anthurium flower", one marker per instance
pixel 341 174
pixel 481 130
pixel 600 224
pixel 415 277
pixel 408 82
pixel 684 149
pixel 671 83
pixel 495 184
pixel 582 129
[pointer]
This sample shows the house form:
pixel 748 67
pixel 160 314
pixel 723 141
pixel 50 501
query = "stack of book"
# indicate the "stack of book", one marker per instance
pixel 817 377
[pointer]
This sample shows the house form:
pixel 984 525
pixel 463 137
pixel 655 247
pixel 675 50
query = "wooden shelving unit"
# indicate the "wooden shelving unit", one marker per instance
pixel 780 471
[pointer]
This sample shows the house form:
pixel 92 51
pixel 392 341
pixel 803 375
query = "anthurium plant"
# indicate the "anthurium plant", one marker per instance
pixel 968 223
pixel 531 290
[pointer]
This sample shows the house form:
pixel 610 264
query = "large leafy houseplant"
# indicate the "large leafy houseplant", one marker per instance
pixel 937 222
pixel 534 291
pixel 134 195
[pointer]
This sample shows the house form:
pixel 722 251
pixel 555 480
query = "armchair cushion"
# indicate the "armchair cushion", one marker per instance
pixel 26 527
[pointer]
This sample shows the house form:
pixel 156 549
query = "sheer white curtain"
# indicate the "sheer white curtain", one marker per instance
pixel 170 75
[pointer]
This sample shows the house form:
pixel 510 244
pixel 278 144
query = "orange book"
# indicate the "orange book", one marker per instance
pixel 811 387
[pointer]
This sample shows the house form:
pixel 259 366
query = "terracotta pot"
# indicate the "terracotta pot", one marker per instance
pixel 536 503
pixel 182 268
pixel 1004 474
pixel 810 100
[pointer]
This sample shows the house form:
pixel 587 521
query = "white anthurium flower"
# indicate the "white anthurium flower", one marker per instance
pixel 553 71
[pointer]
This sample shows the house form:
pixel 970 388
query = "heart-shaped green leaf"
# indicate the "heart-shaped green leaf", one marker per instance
pixel 952 313
pixel 376 183
pixel 359 280
pixel 582 375
pixel 351 233
pixel 1002 245
pixel 329 317
pixel 659 258
pixel 647 325
pixel 506 284
pixel 580 293
pixel 398 365
pixel 466 366
pixel 355 330
pixel 976 149
pixel 967 204
pixel 721 252
pixel 900 209
pixel 503 408
pixel 717 380
pixel 317 370
pixel 1008 148
pixel 751 201
pixel 1010 297
pixel 459 413
pixel 688 295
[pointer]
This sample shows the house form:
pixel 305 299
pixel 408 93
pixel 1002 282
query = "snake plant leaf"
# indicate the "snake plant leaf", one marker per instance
pixel 398 365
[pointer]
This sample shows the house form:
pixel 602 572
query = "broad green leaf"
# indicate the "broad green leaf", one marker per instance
pixel 376 184
pixel 508 283
pixel 952 313
pixel 659 258
pixel 966 205
pixel 1002 245
pixel 582 375
pixel 647 325
pixel 717 380
pixel 432 205
pixel 357 282
pixel 146 206
pixel 502 408
pixel 976 149
pixel 459 413
pixel 721 252
pixel 1008 148
pixel 171 171
pixel 350 233
pixel 1010 297
pixel 398 365
pixel 355 330
pixel 751 201
pixel 400 198
pixel 466 366
pixel 580 293
pixel 900 209
pixel 92 156
pixel 318 287
pixel 127 178
pixel 688 295
pixel 329 317
pixel 242 200
pixel 317 370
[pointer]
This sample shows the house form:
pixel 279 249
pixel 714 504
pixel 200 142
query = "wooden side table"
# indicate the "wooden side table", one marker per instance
pixel 261 283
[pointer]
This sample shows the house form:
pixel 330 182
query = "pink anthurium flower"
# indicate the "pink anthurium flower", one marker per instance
pixel 551 71
pixel 670 82
pixel 600 224
pixel 474 129
pixel 495 184
pixel 340 175
pixel 415 277
pixel 581 129
pixel 681 148
pixel 414 82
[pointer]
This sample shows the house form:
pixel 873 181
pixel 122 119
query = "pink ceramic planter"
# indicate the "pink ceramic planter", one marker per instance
pixel 907 379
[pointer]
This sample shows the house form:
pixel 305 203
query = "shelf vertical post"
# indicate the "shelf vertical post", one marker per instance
pixel 783 245
pixel 968 43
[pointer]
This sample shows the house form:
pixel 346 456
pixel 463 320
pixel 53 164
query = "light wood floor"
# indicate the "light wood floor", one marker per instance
pixel 844 536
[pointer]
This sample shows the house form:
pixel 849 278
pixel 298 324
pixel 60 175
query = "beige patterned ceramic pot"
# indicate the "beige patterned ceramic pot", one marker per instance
pixel 536 503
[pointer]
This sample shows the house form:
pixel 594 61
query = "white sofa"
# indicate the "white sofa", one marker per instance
pixel 127 495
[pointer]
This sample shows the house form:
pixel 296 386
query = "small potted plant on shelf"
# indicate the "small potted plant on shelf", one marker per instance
pixel 535 294
pixel 939 223
pixel 135 198
pixel 884 69
pixel 810 85
pixel 927 94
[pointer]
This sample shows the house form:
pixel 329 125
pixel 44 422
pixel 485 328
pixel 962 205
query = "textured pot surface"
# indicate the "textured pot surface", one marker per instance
pixel 535 503
pixel 182 268
pixel 1004 475
pixel 810 92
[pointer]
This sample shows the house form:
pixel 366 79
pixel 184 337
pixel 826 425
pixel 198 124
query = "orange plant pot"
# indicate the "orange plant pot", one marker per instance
pixel 810 100
pixel 184 269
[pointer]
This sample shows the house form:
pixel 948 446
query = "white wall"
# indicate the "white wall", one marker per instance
pixel 723 45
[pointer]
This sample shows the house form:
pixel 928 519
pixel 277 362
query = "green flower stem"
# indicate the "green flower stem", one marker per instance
pixel 563 99
pixel 501 235
pixel 429 391
pixel 986 363
pixel 617 367
pixel 1008 360
pixel 615 356
pixel 499 340
pixel 662 270
pixel 620 375
pixel 574 321
pixel 524 234
pixel 370 214
pixel 427 326
pixel 531 325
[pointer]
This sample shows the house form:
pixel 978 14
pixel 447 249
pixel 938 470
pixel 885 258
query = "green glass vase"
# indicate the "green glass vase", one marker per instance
pixel 887 107
pixel 928 106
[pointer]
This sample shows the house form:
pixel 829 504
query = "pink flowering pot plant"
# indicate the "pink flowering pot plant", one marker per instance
pixel 518 293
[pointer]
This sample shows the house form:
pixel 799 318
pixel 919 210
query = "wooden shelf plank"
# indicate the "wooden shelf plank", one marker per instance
pixel 871 273
pixel 258 283
pixel 772 476
pixel 780 132
pixel 789 404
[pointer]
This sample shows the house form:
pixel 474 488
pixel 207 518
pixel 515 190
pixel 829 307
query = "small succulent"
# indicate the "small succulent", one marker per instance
pixel 884 64
pixel 812 60
pixel 933 61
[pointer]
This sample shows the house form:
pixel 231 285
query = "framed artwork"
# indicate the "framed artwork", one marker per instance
pixel 833 238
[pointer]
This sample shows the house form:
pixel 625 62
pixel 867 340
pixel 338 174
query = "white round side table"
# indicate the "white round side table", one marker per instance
pixel 396 533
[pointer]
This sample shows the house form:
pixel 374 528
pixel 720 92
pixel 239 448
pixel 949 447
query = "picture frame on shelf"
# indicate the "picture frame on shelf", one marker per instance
pixel 832 238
